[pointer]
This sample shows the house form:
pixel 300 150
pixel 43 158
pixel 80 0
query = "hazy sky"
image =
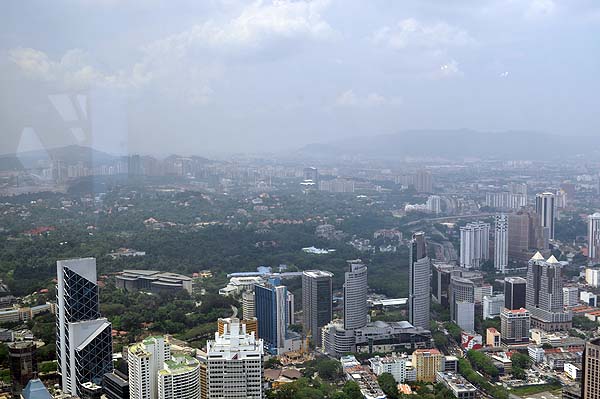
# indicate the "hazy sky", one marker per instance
pixel 199 76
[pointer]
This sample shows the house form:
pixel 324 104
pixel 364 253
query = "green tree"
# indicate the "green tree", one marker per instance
pixel 352 390
pixel 329 370
pixel 388 385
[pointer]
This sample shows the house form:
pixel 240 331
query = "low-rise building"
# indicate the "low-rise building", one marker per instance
pixel 493 337
pixel 458 385
pixel 153 281
pixel 367 381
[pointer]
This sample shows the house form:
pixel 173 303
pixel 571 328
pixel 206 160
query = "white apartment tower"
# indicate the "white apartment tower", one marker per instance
pixel 234 364
pixel 474 244
pixel 501 244
pixel 144 360
pixel 83 338
pixel 594 238
pixel 355 295
pixel 179 378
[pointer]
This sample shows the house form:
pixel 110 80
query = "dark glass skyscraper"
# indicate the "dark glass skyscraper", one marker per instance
pixel 514 292
pixel 316 302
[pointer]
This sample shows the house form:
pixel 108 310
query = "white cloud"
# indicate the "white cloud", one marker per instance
pixel 412 33
pixel 449 70
pixel 258 25
pixel 349 98
pixel 73 71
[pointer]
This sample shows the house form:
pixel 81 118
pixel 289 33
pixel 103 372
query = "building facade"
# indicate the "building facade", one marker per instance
pixel 594 238
pixel 355 295
pixel 317 297
pixel 234 365
pixel 83 338
pixel 474 245
pixel 514 326
pixel 179 378
pixel 501 243
pixel 544 296
pixel 427 362
pixel 590 375
pixel 144 360
pixel 419 292
pixel 545 207
pixel 515 292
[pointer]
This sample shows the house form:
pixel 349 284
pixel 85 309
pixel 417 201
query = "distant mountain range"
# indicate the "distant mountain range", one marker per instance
pixel 69 155
pixel 459 144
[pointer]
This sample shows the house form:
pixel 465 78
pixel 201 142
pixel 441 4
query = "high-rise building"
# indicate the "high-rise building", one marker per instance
pixel 144 360
pixel 501 244
pixel 248 309
pixel 427 362
pixel 525 235
pixel 317 297
pixel 312 174
pixel 271 303
pixel 592 277
pixel 423 181
pixel 474 244
pixel 419 292
pixel 594 238
pixel 492 306
pixel 22 363
pixel 234 368
pixel 515 289
pixel 545 207
pixel 462 290
pixel 434 204
pixel 179 378
pixel 83 338
pixel 464 315
pixel 514 326
pixel 355 295
pixel 590 374
pixel 570 296
pixel 440 282
pixel 115 385
pixel 544 297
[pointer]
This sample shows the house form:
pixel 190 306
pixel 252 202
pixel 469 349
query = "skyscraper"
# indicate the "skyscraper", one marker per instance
pixel 545 207
pixel 590 375
pixel 83 338
pixel 461 291
pixel 144 360
pixel 501 244
pixel 23 364
pixel 545 296
pixel 474 244
pixel 594 238
pixel 316 302
pixel 515 289
pixel 525 235
pixel 419 289
pixel 423 181
pixel 272 312
pixel 355 295
pixel 234 365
